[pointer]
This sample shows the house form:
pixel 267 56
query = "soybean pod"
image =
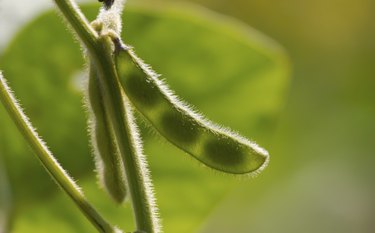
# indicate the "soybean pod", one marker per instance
pixel 108 160
pixel 215 146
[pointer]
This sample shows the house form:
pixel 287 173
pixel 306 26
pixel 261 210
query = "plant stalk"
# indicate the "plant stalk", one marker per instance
pixel 48 160
pixel 79 23
pixel 122 122
pixel 100 51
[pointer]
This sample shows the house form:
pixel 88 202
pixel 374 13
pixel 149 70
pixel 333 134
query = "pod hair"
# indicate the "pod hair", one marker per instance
pixel 108 161
pixel 214 146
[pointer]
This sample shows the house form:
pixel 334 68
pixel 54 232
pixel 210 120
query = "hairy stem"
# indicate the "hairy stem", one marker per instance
pixel 48 160
pixel 79 23
pixel 100 51
pixel 122 121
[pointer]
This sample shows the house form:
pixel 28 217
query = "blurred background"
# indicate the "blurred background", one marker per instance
pixel 318 129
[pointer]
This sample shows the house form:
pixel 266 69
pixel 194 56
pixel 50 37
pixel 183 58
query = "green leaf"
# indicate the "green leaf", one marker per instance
pixel 5 199
pixel 231 73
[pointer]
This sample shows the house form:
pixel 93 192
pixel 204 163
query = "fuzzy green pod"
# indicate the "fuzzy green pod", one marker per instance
pixel 108 160
pixel 216 147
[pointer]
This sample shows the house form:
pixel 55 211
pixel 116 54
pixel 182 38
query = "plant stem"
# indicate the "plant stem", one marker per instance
pixel 48 160
pixel 79 23
pixel 100 51
pixel 127 137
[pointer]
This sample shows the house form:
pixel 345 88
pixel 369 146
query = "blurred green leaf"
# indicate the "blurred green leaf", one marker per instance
pixel 5 200
pixel 231 73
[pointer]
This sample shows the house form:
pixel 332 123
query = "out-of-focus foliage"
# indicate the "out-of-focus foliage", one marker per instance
pixel 5 198
pixel 321 175
pixel 233 74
